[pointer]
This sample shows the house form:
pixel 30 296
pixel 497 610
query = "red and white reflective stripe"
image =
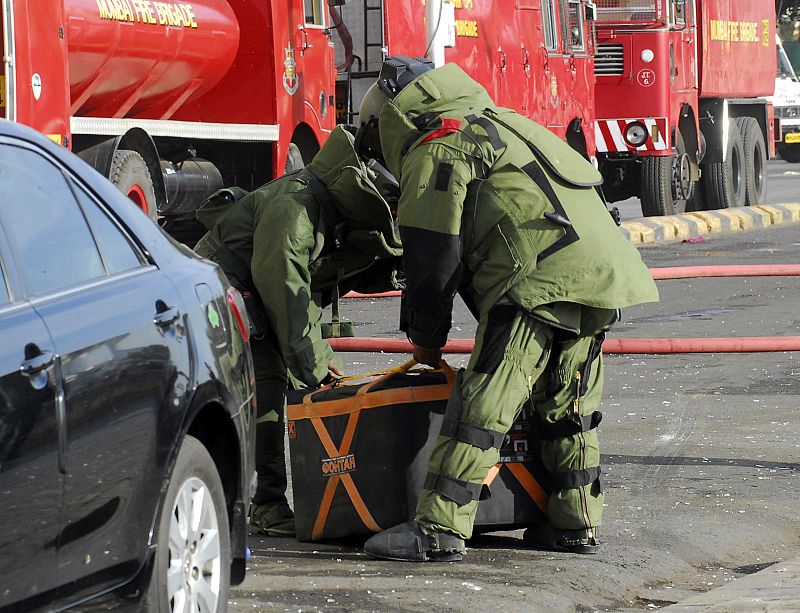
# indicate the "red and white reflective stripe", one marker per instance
pixel 608 135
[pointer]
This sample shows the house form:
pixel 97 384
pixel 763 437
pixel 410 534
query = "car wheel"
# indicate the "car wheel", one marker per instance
pixel 193 552
pixel 130 174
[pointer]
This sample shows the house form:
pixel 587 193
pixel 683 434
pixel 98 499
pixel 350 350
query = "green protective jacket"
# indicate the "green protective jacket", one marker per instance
pixel 496 206
pixel 300 237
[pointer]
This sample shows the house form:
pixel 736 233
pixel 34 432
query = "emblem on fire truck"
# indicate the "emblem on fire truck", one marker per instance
pixel 646 77
pixel 290 78
pixel 554 91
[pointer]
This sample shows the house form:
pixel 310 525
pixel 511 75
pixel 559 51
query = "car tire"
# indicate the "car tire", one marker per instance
pixel 192 563
pixel 755 160
pixel 129 172
pixel 725 182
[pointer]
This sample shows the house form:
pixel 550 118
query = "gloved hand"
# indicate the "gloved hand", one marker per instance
pixel 333 373
pixel 429 357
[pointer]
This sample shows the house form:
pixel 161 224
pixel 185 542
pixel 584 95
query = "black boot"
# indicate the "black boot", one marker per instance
pixel 408 543
pixel 545 536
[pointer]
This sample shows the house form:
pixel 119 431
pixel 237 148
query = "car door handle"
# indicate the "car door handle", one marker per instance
pixel 37 363
pixel 166 317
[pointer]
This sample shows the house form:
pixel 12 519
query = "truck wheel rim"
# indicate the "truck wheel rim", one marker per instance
pixel 136 194
pixel 195 557
pixel 682 177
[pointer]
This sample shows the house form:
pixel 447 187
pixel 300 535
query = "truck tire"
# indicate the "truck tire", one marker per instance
pixel 789 153
pixel 755 160
pixel 724 182
pixel 656 190
pixel 130 174
pixel 666 185
pixel 192 564
pixel 294 159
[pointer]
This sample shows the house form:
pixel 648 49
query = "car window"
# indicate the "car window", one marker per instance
pixel 47 233
pixel 117 252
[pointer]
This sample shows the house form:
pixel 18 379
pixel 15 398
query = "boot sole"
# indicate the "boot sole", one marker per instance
pixel 580 549
pixel 277 533
pixel 445 557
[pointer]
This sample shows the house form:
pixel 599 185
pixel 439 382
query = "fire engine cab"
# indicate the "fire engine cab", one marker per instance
pixel 535 56
pixel 682 119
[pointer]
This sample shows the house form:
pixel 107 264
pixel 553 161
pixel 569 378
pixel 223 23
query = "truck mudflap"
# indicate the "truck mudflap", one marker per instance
pixel 614 135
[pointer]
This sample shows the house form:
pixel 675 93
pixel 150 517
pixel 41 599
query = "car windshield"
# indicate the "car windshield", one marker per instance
pixel 625 11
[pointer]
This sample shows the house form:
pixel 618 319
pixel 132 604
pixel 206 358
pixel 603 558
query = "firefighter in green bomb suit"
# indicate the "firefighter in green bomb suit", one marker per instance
pixel 499 209
pixel 291 247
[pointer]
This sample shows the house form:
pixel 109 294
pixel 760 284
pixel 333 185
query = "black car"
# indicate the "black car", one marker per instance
pixel 127 408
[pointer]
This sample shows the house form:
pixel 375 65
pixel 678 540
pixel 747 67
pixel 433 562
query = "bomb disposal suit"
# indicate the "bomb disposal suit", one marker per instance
pixel 501 210
pixel 292 246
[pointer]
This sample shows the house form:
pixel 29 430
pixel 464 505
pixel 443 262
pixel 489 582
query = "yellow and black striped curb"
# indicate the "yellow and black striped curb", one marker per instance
pixel 673 228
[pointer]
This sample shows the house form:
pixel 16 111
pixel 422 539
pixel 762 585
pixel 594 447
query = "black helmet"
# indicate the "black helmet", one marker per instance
pixel 396 72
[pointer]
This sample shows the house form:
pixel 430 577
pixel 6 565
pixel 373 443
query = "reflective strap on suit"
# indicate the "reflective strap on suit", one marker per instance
pixel 481 438
pixel 575 478
pixel 567 426
pixel 489 128
pixel 460 492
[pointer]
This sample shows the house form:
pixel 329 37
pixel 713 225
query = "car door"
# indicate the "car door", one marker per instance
pixel 117 327
pixel 30 480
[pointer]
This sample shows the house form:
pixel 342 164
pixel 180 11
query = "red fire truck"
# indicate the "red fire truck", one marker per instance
pixel 681 114
pixel 172 98
pixel 535 56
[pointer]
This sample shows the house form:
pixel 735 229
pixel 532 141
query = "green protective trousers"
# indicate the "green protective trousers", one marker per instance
pixel 517 357
pixel 271 384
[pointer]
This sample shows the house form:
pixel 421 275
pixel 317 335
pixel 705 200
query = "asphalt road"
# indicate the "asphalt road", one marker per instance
pixel 783 185
pixel 701 461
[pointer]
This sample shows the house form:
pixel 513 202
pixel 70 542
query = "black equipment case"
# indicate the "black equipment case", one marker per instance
pixel 359 455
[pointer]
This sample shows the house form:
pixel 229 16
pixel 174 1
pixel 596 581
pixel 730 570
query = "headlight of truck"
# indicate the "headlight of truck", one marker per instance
pixel 636 134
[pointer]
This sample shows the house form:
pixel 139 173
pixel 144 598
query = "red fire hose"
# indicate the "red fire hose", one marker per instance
pixel 751 270
pixel 679 272
pixel 744 344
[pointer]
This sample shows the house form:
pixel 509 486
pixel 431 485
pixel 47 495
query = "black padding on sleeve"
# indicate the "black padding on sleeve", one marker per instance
pixel 443 175
pixel 575 478
pixel 460 492
pixel 495 338
pixel 432 264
